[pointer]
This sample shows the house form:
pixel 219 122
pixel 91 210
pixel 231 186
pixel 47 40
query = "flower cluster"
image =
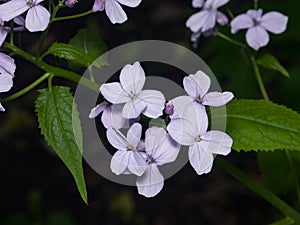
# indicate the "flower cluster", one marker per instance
pixel 188 126
pixel 204 22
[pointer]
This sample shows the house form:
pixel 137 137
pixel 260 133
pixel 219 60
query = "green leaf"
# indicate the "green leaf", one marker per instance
pixel 62 130
pixel 70 52
pixel 89 42
pixel 262 125
pixel 270 62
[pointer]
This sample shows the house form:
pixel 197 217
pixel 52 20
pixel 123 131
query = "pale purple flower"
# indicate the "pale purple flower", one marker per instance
pixel 4 30
pixel 196 86
pixel 37 18
pixel 129 92
pixel 111 116
pixel 128 156
pixel 113 8
pixel 7 70
pixel 206 19
pixel 169 108
pixel 258 25
pixel 191 130
pixel 160 149
pixel 70 3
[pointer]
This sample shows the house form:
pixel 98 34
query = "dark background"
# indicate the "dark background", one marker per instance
pixel 37 189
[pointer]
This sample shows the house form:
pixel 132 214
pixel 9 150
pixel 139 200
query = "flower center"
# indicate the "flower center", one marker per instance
pixel 30 3
pixel 198 138
pixel 149 159
pixel 198 99
pixel 129 148
pixel 255 22
pixel 132 96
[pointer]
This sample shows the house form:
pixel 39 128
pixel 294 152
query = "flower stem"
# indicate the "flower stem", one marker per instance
pixel 229 39
pixel 259 79
pixel 293 172
pixel 12 32
pixel 260 190
pixel 26 89
pixel 285 221
pixel 73 16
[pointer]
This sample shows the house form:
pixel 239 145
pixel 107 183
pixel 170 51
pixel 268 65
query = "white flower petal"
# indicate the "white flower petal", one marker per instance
pixel 210 21
pixel 154 137
pixel 155 102
pixel 117 139
pixel 98 109
pixel 255 14
pixel 112 117
pixel 119 162
pixel 3 34
pixel 134 135
pixel 133 109
pixel 197 3
pixel 217 98
pixel 13 9
pixel 132 78
pixel 242 21
pixel 215 4
pixel 196 21
pixel 151 182
pixel 130 3
pixel 180 104
pixel 37 19
pixel 2 108
pixel 6 82
pixel 7 64
pixel 114 93
pixel 201 84
pixel 257 37
pixel 137 164
pixel 274 22
pixel 217 142
pixel 115 12
pixel 200 159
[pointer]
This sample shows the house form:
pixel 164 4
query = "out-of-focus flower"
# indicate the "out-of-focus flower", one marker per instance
pixel 70 3
pixel 37 18
pixel 191 130
pixel 197 85
pixel 127 156
pixel 7 70
pixel 160 149
pixel 113 8
pixel 129 92
pixel 206 19
pixel 19 20
pixel 258 25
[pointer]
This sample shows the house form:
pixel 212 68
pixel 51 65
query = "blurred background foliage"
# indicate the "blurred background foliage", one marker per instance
pixel 37 189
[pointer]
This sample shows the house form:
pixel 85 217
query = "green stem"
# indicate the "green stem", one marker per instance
pixel 232 41
pixel 12 32
pixel 230 13
pixel 26 89
pixel 255 4
pixel 260 190
pixel 73 16
pixel 54 70
pixel 293 172
pixel 285 221
pixel 259 79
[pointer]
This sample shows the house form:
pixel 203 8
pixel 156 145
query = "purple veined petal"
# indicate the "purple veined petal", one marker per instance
pixel 6 82
pixel 13 9
pixel 196 114
pixel 3 34
pixel 98 109
pixel 134 135
pixel 151 182
pixel 132 78
pixel 215 3
pixel 115 12
pixel 114 93
pixel 133 109
pixel 140 146
pixel 180 103
pixel 137 164
pixel 257 37
pixel 37 19
pixel 19 20
pixel 117 139
pixel 183 131
pixel 112 117
pixel 7 64
pixel 217 98
pixel 197 3
pixel 2 108
pixel 274 22
pixel 196 21
pixel 119 162
pixel 99 5
pixel 201 81
pixel 222 18
pixel 242 21
pixel 130 3
pixel 200 159
pixel 166 152
pixel 217 142
pixel 155 102
pixel 255 14
pixel 154 137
